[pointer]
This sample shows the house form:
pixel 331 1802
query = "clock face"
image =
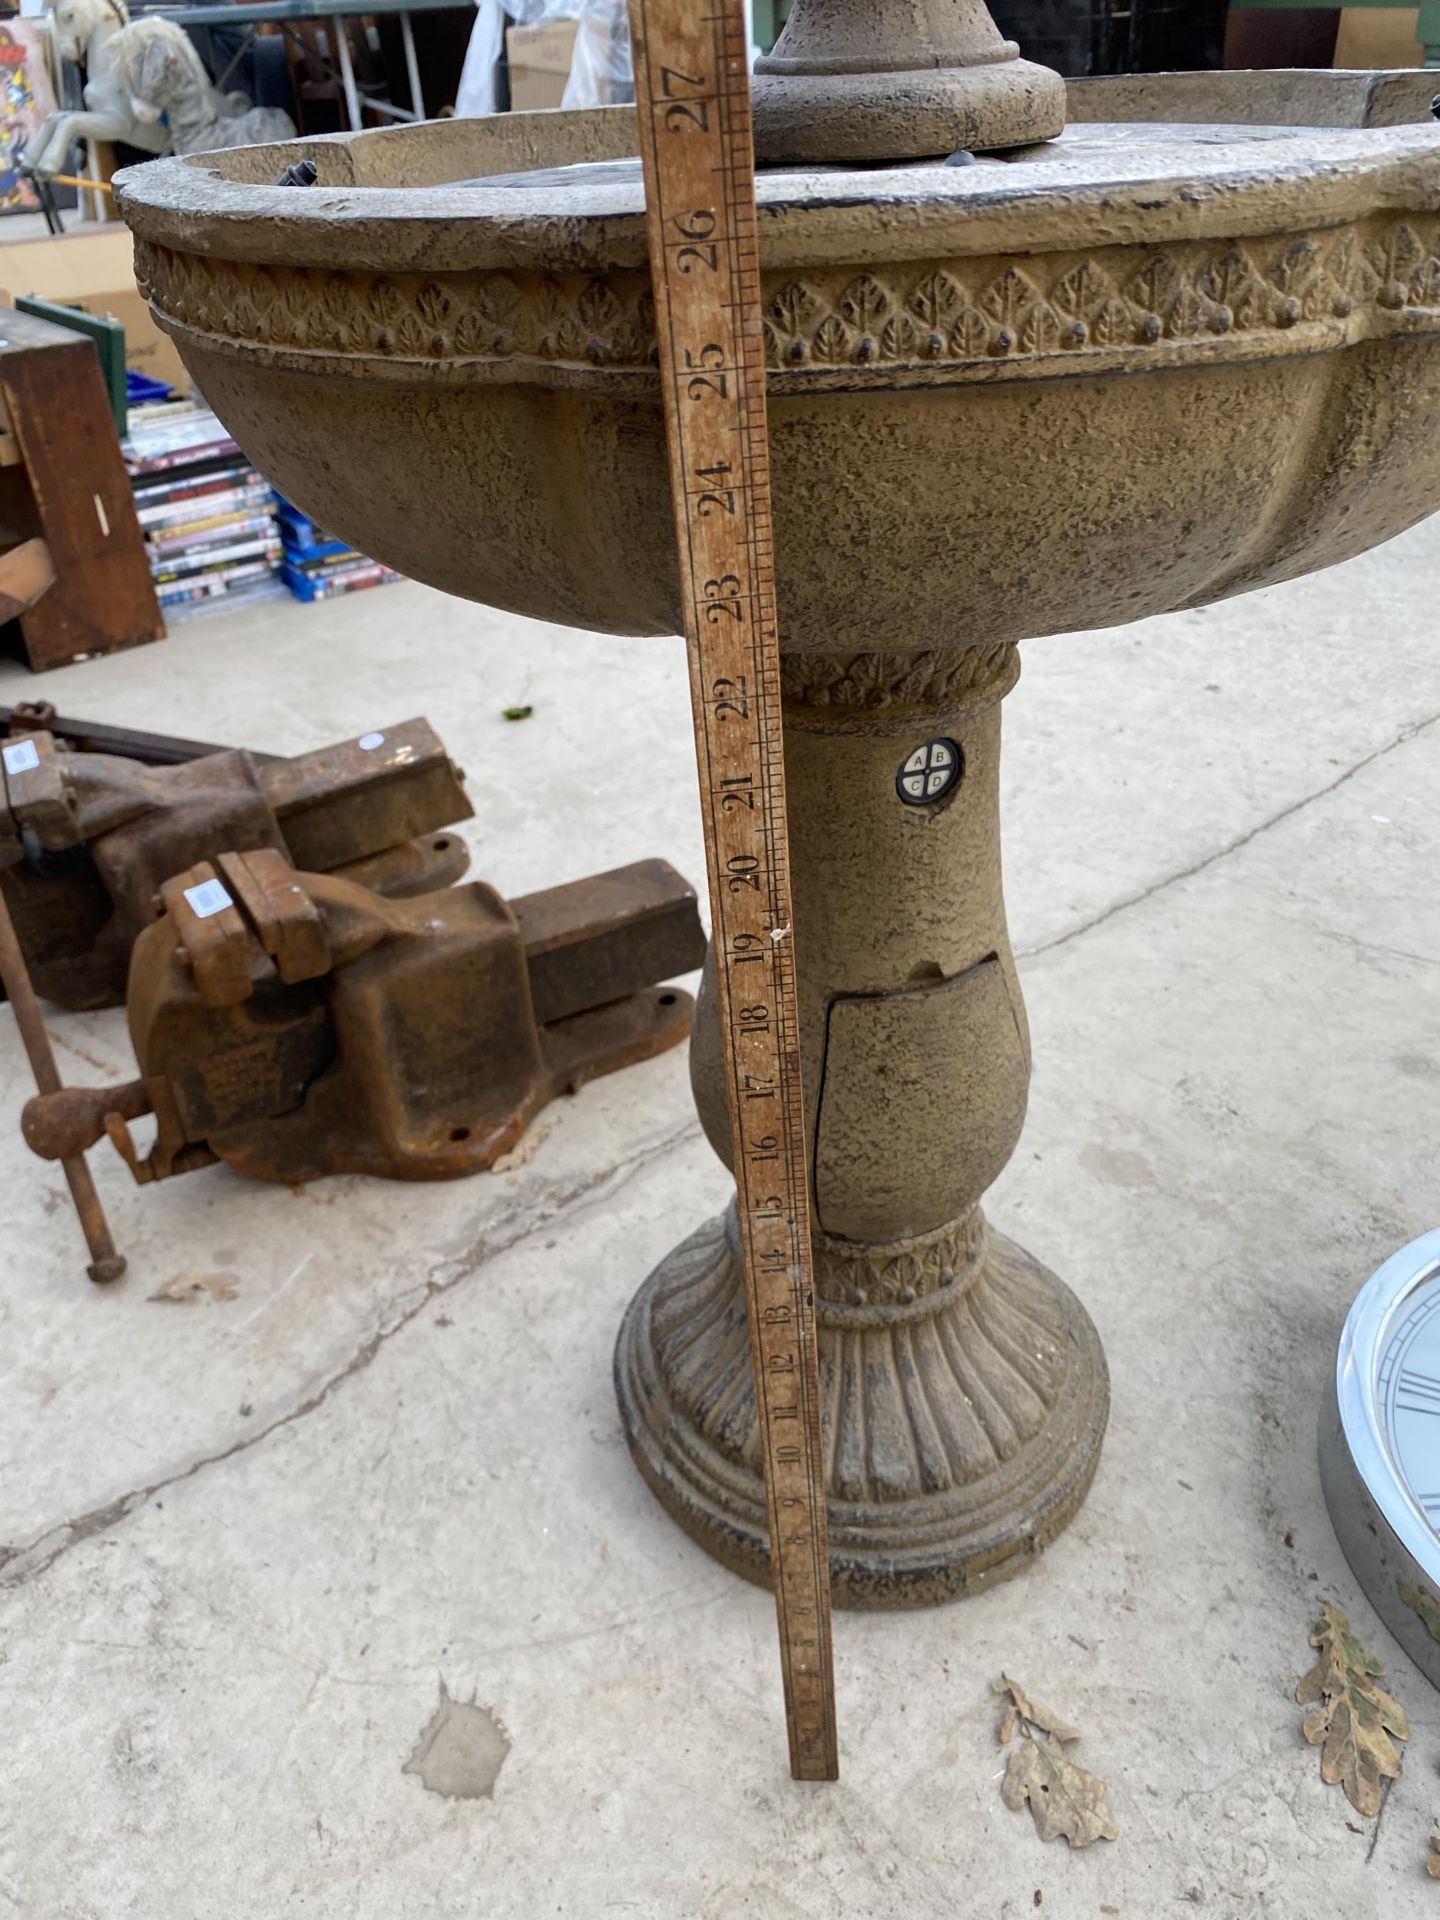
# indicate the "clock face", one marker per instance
pixel 1407 1392
pixel 1380 1446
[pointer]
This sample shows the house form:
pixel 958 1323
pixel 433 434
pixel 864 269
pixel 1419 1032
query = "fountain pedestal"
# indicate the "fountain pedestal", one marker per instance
pixel 963 1388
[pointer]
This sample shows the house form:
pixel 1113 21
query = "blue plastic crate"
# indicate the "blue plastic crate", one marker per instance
pixel 303 539
pixel 141 390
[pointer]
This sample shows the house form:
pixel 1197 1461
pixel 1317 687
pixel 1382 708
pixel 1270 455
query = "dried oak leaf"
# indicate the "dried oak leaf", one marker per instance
pixel 520 1156
pixel 187 1288
pixel 1423 1604
pixel 1064 1798
pixel 1022 1707
pixel 1350 1718
pixel 1432 1859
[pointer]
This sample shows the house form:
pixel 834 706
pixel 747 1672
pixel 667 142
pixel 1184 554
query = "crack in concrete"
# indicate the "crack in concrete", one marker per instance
pixel 25 1562
pixel 109 1068
pixel 1354 941
pixel 1403 738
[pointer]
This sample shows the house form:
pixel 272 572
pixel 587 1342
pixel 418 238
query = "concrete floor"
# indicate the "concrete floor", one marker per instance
pixel 266 1549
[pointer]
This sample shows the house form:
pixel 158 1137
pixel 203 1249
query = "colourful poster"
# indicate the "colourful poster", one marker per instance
pixel 26 97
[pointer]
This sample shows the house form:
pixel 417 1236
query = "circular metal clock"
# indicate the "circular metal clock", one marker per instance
pixel 1380 1447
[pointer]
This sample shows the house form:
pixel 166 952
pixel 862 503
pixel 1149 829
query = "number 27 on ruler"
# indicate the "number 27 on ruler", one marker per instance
pixel 696 142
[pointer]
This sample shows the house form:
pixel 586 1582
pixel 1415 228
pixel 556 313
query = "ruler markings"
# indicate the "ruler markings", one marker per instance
pixel 695 131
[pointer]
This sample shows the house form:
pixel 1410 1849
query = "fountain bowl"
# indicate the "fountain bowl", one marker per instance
pixel 1157 361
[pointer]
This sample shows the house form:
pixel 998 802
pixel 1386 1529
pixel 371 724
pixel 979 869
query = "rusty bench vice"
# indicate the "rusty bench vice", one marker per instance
pixel 296 1024
pixel 87 839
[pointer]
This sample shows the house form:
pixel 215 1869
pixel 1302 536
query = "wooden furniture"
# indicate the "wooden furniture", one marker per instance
pixel 312 48
pixel 73 568
pixel 1428 29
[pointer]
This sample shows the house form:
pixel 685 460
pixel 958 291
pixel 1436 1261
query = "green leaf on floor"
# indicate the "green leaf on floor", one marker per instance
pixel 1350 1718
pixel 1064 1799
pixel 517 713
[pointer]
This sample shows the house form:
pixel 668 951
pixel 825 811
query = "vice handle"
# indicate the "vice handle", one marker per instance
pixel 71 1120
pixel 105 1263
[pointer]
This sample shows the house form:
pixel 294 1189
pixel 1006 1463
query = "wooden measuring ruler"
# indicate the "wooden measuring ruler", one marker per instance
pixel 692 88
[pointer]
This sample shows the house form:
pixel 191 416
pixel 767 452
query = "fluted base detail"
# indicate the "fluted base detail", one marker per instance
pixel 962 1428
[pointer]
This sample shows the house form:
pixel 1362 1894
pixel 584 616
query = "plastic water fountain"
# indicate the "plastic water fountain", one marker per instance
pixel 1025 378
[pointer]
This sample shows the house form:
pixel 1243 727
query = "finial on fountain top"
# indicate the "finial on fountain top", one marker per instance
pixel 863 80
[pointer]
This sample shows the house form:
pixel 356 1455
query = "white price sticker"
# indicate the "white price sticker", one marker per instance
pixel 21 757
pixel 209 897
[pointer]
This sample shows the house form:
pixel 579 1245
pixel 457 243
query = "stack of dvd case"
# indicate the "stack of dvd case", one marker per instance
pixel 207 514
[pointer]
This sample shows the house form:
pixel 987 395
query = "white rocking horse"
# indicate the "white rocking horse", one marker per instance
pixel 84 33
pixel 156 63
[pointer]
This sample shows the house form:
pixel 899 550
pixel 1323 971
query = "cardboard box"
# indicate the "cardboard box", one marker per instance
pixel 95 270
pixel 539 60
pixel 1379 37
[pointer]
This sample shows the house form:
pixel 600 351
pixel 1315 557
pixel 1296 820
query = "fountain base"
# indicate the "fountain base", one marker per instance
pixel 964 1397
